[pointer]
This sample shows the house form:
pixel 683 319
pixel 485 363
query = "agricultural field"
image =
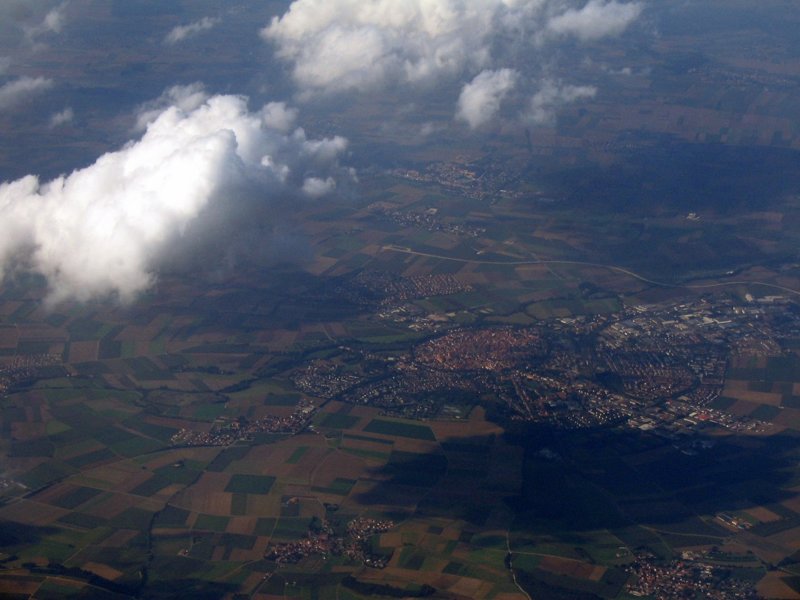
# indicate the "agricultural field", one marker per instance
pixel 535 359
pixel 145 448
pixel 104 495
pixel 99 497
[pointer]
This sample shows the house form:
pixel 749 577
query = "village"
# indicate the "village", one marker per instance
pixel 321 539
pixel 226 432
pixel 687 577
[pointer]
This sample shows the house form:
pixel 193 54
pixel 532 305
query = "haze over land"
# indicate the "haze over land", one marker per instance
pixel 101 229
pixel 365 299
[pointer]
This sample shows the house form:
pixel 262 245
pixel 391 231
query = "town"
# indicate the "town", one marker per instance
pixel 687 577
pixel 471 180
pixel 655 368
pixel 430 221
pixel 381 289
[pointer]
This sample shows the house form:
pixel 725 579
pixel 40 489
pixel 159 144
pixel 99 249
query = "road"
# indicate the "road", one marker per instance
pixel 618 269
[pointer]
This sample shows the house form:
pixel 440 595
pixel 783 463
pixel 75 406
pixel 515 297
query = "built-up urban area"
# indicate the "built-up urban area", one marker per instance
pixel 657 368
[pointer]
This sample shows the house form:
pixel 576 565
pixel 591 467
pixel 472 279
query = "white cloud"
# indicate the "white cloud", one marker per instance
pixel 480 99
pixel 428 128
pixel 335 45
pixel 185 97
pixel 339 46
pixel 103 230
pixel 597 19
pixel 5 63
pixel 551 96
pixel 62 118
pixel 53 22
pixel 182 32
pixel 14 92
pixel 278 116
pixel 316 187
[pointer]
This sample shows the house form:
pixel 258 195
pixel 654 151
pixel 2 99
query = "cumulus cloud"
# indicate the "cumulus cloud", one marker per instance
pixel 480 99
pixel 316 187
pixel 335 45
pixel 597 19
pixel 428 128
pixel 278 116
pixel 182 32
pixel 185 97
pixel 62 118
pixel 14 92
pixel 53 22
pixel 104 230
pixel 553 95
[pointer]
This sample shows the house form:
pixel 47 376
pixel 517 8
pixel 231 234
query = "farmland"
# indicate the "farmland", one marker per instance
pixel 561 364
pixel 148 440
pixel 99 490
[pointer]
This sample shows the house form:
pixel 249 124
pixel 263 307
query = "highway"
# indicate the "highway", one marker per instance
pixel 618 269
